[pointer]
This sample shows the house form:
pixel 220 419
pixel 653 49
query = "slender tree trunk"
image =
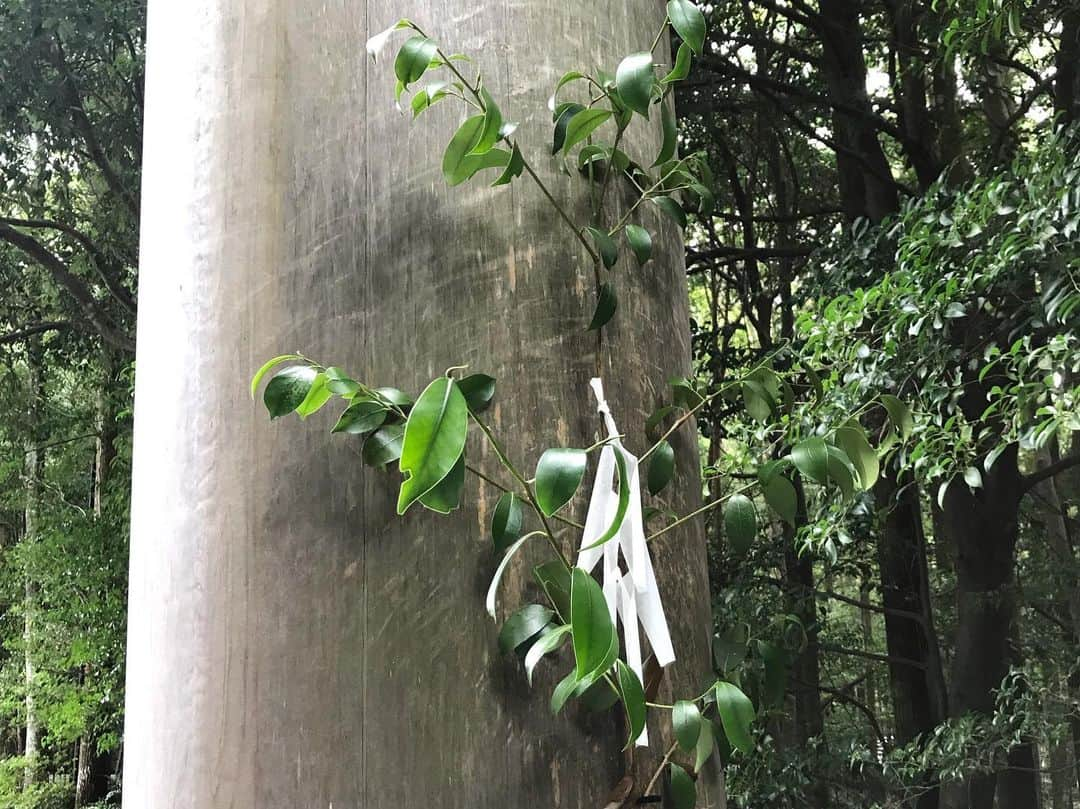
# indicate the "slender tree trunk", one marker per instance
pixel 1067 78
pixel 34 464
pixel 291 641
pixel 919 694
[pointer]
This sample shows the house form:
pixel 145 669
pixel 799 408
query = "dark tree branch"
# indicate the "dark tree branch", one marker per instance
pixel 904 661
pixel 74 285
pixel 1029 482
pixel 29 331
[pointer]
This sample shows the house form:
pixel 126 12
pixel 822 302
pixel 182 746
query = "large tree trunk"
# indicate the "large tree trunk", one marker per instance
pixel 293 643
pixel 34 464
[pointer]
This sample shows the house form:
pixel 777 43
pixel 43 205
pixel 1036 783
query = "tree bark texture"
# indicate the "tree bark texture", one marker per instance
pixel 292 642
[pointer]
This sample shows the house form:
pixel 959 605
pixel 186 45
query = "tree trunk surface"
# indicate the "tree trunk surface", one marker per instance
pixel 292 642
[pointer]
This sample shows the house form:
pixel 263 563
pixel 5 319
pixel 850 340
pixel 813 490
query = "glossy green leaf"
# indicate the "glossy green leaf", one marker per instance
pixel 781 497
pixel 384 445
pixel 686 720
pixel 375 44
pixel 852 440
pixel 478 390
pixel 563 691
pixel 740 523
pixel 672 209
pixel 513 169
pixel 681 69
pixel 446 495
pixel 564 114
pixel 317 396
pixel 490 130
pixel 683 791
pixel 688 21
pixel 736 714
pixel 551 640
pixel 394 397
pixel 268 366
pixel 634 79
pixel 705 745
pixel 594 634
pixel 606 304
pixel 760 404
pixel 583 124
pixel 414 58
pixel 776 672
pixel 459 164
pixel 288 389
pixel 434 439
pixel 633 699
pixel 840 471
pixel 361 417
pixel 493 587
pixel 640 242
pixel 811 457
pixel 426 97
pixel 507 521
pixel 899 415
pixel 558 475
pixel 526 623
pixel 621 506
pixel 661 467
pixel 338 382
pixel 605 246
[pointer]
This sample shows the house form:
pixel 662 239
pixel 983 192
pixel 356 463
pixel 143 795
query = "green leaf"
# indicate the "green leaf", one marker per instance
pixel 899 415
pixel 513 169
pixel 686 719
pixel 596 694
pixel 551 640
pixel 605 245
pixel 667 148
pixel 506 521
pixel 606 304
pixel 268 366
pixel 338 382
pixel 361 417
pixel 478 390
pixel 554 579
pixel 459 164
pixel 594 634
pixel 446 496
pixel 705 745
pixel 633 698
pixel 852 440
pixel 492 124
pixel 781 497
pixel 317 396
pixel 564 113
pixel 582 124
pixel 688 22
pixel 671 209
pixel 433 93
pixel 524 624
pixel 736 714
pixel 288 389
pixel 384 445
pixel 394 397
pixel 558 475
pixel 740 523
pixel 811 457
pixel 840 471
pixel 493 588
pixel 620 509
pixel 376 43
pixel 563 691
pixel 760 404
pixel 414 58
pixel 640 242
pixel 681 69
pixel 683 791
pixel 434 439
pixel 634 80
pixel 661 467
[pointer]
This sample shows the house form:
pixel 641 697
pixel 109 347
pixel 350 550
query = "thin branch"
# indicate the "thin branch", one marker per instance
pixel 29 331
pixel 1029 482
pixel 904 661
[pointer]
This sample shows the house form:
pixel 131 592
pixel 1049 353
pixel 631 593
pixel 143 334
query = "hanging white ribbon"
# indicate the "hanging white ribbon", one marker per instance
pixel 632 597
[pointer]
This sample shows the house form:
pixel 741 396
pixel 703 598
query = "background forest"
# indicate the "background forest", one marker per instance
pixel 894 211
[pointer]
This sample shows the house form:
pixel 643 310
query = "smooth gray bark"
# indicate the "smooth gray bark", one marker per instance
pixel 292 642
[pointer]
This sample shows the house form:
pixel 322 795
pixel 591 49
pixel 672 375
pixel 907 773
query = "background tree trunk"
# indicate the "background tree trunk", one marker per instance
pixel 291 641
pixel 33 465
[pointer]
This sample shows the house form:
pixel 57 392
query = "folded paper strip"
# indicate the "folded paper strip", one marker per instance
pixel 633 597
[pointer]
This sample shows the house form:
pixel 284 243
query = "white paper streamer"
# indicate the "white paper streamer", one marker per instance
pixel 632 597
